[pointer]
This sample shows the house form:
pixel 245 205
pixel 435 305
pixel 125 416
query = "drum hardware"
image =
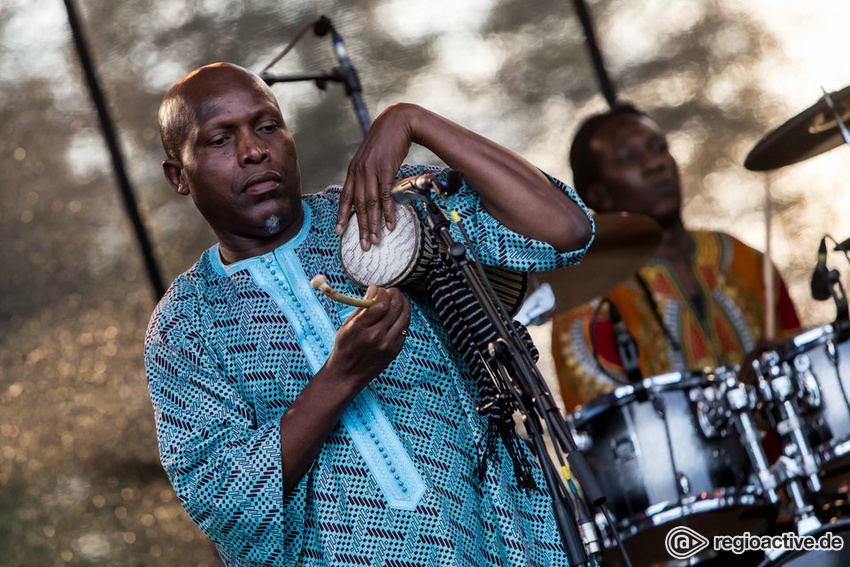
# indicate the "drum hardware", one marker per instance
pixel 712 415
pixel 813 360
pixel 740 402
pixel 702 479
pixel 810 393
pixel 777 389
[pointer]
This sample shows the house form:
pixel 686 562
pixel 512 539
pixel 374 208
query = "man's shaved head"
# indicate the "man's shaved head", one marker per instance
pixel 179 112
pixel 228 147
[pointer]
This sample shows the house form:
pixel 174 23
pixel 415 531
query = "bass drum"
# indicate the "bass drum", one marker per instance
pixel 666 454
pixel 823 558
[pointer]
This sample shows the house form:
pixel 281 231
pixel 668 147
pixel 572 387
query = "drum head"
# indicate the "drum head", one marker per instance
pixel 627 394
pixel 403 254
pixel 386 264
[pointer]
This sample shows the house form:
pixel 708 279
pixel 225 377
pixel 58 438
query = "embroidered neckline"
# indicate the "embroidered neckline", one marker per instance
pixel 214 252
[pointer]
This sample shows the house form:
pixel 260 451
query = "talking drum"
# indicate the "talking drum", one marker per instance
pixel 818 363
pixel 666 453
pixel 403 256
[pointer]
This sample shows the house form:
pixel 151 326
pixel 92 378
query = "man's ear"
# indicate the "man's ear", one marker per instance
pixel 596 197
pixel 173 171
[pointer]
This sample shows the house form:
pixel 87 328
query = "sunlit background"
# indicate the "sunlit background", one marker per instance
pixel 80 481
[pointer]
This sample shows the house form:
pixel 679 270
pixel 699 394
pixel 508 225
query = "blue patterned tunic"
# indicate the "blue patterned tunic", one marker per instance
pixel 230 347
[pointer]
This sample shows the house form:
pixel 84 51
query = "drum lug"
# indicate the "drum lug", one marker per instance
pixel 807 382
pixel 684 484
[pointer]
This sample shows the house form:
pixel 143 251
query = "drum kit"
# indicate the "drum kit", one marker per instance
pixel 684 448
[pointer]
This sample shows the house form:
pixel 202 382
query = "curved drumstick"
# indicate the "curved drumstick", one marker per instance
pixel 320 283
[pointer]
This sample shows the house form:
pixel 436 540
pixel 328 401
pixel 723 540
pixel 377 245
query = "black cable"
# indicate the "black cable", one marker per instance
pixel 647 293
pixel 593 321
pixel 111 138
pixel 313 24
pixel 620 546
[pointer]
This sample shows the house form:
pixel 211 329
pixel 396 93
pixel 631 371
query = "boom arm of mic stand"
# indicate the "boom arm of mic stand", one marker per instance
pixel 320 77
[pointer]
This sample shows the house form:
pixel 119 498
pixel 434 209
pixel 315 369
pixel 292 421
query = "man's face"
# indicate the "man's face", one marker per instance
pixel 638 174
pixel 238 160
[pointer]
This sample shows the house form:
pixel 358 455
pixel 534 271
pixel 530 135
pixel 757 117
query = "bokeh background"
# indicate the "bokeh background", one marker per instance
pixel 80 481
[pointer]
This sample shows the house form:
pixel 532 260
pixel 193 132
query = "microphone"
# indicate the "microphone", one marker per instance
pixel 322 26
pixel 416 188
pixel 820 284
pixel 412 189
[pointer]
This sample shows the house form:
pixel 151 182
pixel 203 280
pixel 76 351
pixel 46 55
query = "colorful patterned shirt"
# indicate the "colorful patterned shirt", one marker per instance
pixel 721 331
pixel 230 347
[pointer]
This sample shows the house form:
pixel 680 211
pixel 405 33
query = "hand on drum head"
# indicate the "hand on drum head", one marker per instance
pixel 371 175
pixel 746 373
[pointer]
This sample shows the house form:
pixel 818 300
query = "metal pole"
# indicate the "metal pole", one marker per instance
pixel 605 83
pixel 111 139
pixel 767 267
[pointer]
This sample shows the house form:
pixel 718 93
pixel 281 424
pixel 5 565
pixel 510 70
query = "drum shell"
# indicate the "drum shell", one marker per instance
pixel 631 459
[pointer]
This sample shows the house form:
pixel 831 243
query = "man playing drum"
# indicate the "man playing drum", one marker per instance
pixel 294 431
pixel 700 302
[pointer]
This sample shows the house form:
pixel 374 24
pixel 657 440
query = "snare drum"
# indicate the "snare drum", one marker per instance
pixel 819 366
pixel 667 454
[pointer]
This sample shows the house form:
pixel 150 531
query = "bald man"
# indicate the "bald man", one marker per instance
pixel 299 432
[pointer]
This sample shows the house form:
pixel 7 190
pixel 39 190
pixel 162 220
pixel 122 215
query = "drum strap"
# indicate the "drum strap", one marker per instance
pixel 470 332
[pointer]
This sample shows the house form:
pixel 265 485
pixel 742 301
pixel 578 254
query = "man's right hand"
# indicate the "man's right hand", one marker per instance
pixel 370 338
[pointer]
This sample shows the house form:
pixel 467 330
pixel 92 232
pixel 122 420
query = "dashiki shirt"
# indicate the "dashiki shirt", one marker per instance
pixel 230 347
pixel 720 332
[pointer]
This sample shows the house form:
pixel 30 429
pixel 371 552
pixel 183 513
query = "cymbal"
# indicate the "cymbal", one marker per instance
pixel 623 244
pixel 810 133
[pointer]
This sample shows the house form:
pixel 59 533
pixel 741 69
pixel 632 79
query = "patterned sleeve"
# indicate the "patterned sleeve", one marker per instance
pixel 496 244
pixel 225 468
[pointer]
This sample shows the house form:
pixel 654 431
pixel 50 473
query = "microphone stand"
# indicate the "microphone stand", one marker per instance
pixel 516 370
pixel 827 283
pixel 344 73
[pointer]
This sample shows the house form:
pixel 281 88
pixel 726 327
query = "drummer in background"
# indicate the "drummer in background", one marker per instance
pixel 700 302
